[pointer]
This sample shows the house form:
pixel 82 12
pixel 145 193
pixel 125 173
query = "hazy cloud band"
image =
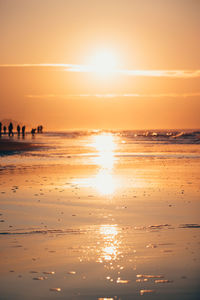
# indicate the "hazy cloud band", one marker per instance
pixel 69 96
pixel 92 69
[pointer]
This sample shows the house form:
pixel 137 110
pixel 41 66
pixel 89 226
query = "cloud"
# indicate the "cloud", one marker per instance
pixel 36 65
pixel 162 73
pixel 140 73
pixel 91 69
pixel 71 96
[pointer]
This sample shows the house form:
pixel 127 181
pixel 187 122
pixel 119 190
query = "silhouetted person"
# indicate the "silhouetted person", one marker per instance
pixel 23 130
pixel 18 130
pixel 33 130
pixel 10 129
pixel 39 129
pixel 4 129
pixel 0 128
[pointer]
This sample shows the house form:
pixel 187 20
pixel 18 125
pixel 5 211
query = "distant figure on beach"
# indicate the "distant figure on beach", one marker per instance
pixel 18 130
pixel 0 127
pixel 4 129
pixel 23 130
pixel 33 130
pixel 10 129
pixel 39 129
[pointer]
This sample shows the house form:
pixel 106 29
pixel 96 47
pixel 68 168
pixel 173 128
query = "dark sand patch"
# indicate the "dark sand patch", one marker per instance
pixel 9 146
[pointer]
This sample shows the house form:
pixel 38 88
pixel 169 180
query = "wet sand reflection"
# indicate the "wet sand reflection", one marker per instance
pixel 110 249
pixel 104 182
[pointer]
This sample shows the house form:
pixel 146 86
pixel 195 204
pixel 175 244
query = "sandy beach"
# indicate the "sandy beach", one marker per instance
pixel 82 219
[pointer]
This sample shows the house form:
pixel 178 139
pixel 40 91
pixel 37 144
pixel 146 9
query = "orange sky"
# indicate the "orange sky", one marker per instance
pixel 155 82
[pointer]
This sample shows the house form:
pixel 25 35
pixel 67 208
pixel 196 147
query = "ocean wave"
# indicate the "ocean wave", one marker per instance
pixel 169 136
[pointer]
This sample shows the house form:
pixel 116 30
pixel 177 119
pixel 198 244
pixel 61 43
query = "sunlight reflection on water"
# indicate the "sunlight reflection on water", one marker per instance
pixel 103 182
pixel 105 146
pixel 110 249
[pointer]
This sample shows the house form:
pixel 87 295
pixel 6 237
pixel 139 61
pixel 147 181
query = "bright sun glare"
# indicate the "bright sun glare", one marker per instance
pixel 103 62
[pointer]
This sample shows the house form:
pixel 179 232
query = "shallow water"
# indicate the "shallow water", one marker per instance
pixel 101 216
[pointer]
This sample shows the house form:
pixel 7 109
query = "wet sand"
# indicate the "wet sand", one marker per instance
pixel 71 230
pixel 11 145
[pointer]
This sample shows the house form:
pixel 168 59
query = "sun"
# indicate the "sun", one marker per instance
pixel 103 61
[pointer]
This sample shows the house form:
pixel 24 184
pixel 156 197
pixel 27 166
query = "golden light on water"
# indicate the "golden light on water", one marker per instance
pixel 105 298
pixel 109 231
pixel 109 253
pixel 106 153
pixel 110 247
pixel 104 142
pixel 104 182
pixel 105 146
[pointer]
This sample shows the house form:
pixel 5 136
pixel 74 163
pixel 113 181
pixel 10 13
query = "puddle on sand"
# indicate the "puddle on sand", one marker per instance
pixel 143 292
pixel 189 226
pixel 163 281
pixel 149 276
pixel 55 289
pixel 105 298
pixel 142 280
pixel 122 281
pixel 40 278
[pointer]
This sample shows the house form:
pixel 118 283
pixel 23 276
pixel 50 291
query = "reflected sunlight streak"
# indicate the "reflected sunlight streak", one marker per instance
pixel 105 146
pixel 109 231
pixel 110 249
pixel 104 181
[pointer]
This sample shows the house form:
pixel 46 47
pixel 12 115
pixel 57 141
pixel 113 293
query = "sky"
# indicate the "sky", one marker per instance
pixel 110 64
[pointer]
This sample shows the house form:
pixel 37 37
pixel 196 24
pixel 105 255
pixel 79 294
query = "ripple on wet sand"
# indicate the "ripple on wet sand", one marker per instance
pixel 33 272
pixel 40 278
pixel 142 292
pixel 105 298
pixel 122 281
pixel 189 226
pixel 55 289
pixel 149 276
pixel 142 280
pixel 163 281
pixel 71 272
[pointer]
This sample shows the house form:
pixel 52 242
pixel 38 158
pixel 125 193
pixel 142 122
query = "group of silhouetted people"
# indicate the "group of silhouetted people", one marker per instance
pixel 20 130
pixel 10 129
pixel 23 130
pixel 39 130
